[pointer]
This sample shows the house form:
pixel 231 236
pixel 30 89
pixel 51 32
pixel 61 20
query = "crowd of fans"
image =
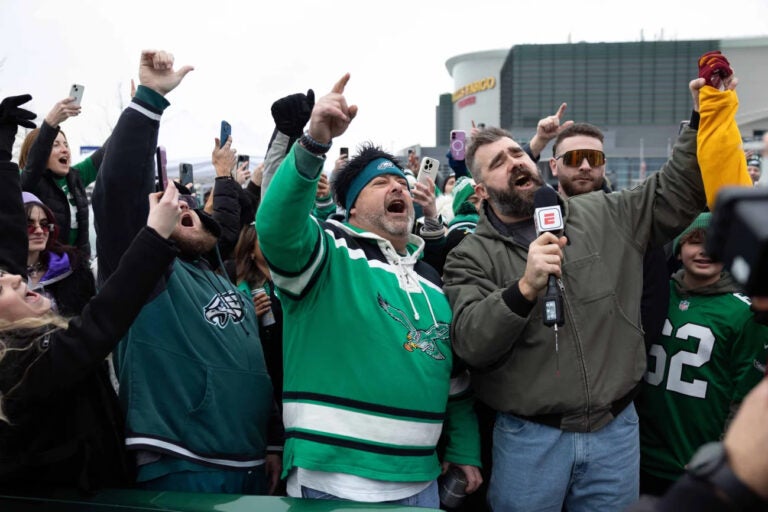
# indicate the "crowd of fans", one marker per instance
pixel 364 335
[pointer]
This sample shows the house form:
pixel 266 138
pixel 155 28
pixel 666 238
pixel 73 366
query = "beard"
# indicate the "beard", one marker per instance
pixel 510 203
pixel 394 228
pixel 574 188
pixel 193 244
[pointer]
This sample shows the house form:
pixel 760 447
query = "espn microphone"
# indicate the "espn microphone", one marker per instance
pixel 548 217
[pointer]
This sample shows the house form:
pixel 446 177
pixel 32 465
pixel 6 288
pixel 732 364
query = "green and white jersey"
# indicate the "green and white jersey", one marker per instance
pixel 367 354
pixel 710 355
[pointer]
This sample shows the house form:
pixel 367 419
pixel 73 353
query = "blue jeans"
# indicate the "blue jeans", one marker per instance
pixel 537 468
pixel 427 498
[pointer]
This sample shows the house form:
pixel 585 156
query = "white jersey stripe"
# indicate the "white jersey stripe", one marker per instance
pixel 174 448
pixel 376 429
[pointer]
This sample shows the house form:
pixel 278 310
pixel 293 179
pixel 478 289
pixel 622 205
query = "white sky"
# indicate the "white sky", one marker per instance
pixel 248 54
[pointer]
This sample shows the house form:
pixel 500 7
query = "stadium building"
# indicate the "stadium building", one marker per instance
pixel 636 92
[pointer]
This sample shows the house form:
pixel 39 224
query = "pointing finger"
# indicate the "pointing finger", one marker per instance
pixel 341 84
pixel 561 111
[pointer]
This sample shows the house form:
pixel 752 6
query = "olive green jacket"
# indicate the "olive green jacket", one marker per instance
pixel 601 355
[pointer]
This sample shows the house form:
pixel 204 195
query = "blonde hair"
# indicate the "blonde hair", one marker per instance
pixel 24 334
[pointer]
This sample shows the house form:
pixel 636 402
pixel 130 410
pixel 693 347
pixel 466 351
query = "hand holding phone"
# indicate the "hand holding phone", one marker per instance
pixel 344 152
pixel 76 91
pixel 161 162
pixel 458 138
pixel 226 132
pixel 428 169
pixel 185 174
pixel 241 159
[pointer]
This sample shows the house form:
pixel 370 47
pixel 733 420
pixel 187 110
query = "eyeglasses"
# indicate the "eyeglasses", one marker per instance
pixel 575 157
pixel 190 200
pixel 45 226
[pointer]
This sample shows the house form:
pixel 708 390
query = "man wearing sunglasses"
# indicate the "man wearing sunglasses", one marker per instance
pixel 566 432
pixel 578 162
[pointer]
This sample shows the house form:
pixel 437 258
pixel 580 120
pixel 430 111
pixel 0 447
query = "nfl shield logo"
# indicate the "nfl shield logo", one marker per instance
pixel 683 305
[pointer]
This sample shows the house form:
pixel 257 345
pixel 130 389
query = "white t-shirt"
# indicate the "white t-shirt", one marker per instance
pixel 351 487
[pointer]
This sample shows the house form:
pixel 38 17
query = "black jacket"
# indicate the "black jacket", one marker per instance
pixel 66 426
pixel 39 180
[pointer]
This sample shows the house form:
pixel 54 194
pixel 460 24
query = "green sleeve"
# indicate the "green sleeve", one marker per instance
pixel 461 426
pixel 288 235
pixel 87 171
pixel 748 358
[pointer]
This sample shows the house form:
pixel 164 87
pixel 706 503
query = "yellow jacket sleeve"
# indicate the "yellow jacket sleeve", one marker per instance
pixel 718 144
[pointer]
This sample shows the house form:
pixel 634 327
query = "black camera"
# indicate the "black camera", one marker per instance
pixel 738 236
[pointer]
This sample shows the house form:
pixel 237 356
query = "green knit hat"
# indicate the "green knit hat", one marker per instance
pixel 700 222
pixel 462 190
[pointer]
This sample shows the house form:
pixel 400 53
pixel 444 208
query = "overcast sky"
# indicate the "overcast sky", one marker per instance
pixel 248 54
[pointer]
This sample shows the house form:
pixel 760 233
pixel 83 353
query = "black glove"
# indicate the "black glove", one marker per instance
pixel 11 116
pixel 292 112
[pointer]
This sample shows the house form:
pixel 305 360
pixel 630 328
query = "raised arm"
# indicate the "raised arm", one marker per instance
pixel 13 221
pixel 127 172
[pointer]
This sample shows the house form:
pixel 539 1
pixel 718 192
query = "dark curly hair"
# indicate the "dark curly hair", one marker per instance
pixel 367 152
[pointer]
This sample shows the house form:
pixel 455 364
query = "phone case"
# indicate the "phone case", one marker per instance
pixel 458 141
pixel 226 131
pixel 76 91
pixel 162 174
pixel 185 174
pixel 429 168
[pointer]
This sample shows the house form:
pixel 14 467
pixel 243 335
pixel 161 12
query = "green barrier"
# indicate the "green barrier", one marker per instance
pixel 131 500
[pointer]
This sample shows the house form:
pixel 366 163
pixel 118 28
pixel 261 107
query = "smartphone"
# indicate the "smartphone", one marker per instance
pixel 458 138
pixel 429 168
pixel 76 91
pixel 344 152
pixel 226 131
pixel 185 174
pixel 240 160
pixel 162 174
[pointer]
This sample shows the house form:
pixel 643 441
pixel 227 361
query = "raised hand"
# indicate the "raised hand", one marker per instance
pixel 62 111
pixel 291 113
pixel 223 157
pixel 164 211
pixel 547 129
pixel 156 71
pixel 12 114
pixel 331 115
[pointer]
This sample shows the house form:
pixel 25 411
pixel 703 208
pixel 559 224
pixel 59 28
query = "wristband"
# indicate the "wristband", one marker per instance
pixel 313 146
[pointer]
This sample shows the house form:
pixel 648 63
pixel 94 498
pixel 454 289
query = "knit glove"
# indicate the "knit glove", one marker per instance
pixel 714 68
pixel 292 112
pixel 10 117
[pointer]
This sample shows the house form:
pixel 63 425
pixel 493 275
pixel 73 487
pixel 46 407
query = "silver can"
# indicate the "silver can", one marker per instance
pixel 267 318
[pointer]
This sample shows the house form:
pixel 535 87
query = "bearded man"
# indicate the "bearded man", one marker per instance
pixel 191 371
pixel 566 432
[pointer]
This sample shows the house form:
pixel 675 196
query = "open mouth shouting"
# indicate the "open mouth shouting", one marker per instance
pixel 397 206
pixel 186 220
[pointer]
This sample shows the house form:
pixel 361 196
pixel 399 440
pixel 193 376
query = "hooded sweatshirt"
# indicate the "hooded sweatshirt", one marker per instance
pixel 368 362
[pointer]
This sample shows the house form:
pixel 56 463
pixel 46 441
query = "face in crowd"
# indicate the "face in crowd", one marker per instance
pixel 700 270
pixel 60 157
pixel 17 301
pixel 506 177
pixel 579 165
pixel 39 228
pixel 384 207
pixel 190 235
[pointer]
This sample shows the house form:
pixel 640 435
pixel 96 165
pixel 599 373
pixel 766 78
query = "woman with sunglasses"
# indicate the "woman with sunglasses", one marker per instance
pixel 58 271
pixel 60 420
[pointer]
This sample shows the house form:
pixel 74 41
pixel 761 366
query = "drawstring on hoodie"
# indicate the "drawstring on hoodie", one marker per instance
pixel 408 274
